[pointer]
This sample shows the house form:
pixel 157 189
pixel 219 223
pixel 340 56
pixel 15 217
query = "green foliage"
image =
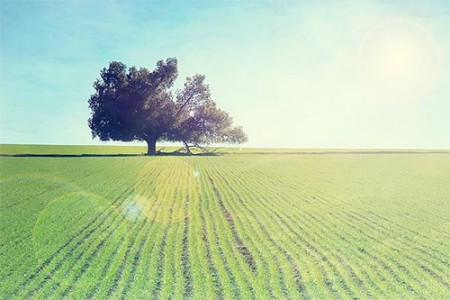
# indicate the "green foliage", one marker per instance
pixel 136 104
pixel 199 120
pixel 275 226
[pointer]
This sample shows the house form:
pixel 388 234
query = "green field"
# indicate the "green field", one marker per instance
pixel 89 150
pixel 274 226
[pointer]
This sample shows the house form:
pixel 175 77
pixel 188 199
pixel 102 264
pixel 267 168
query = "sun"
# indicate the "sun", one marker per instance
pixel 398 60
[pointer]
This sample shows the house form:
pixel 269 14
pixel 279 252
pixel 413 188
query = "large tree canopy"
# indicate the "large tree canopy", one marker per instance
pixel 136 104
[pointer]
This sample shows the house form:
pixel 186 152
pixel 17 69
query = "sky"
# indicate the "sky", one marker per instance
pixel 312 74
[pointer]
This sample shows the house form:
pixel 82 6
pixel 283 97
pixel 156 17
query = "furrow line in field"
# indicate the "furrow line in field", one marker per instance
pixel 202 275
pixel 337 253
pixel 117 198
pixel 423 248
pixel 244 278
pixel 318 250
pixel 185 258
pixel 385 266
pixel 441 232
pixel 371 225
pixel 105 271
pixel 239 243
pixel 83 235
pixel 245 226
pixel 211 265
pixel 166 271
pixel 356 279
pixel 276 223
pixel 109 229
pixel 10 245
pixel 68 253
pixel 90 174
pixel 162 265
pixel 322 257
pixel 25 254
pixel 84 241
pixel 386 232
pixel 330 230
pixel 378 227
pixel 382 262
pixel 152 237
pixel 145 229
pixel 362 255
pixel 140 228
pixel 24 238
pixel 254 240
pixel 77 240
pixel 396 276
pixel 231 264
pixel 386 259
pixel 318 255
pixel 183 252
pixel 135 232
pixel 300 286
pixel 28 198
pixel 415 261
pixel 87 263
pixel 422 253
pixel 132 284
pixel 429 251
pixel 218 253
pixel 280 284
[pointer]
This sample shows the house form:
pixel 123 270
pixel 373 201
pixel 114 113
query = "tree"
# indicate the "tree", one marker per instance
pixel 136 104
pixel 199 121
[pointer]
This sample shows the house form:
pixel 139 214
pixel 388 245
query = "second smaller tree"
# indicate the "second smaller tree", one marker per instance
pixel 198 119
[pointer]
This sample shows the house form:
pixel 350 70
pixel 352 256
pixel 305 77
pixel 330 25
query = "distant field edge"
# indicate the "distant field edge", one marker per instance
pixel 30 150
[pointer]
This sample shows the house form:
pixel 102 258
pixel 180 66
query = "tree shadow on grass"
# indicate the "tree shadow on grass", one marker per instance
pixel 87 155
pixel 187 154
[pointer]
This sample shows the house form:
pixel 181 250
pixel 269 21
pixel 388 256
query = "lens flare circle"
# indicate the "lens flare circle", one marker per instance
pixel 398 60
pixel 72 245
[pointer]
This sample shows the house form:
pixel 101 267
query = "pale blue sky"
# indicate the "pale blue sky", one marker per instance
pixel 294 74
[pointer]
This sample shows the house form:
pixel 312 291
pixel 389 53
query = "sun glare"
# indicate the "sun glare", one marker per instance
pixel 398 60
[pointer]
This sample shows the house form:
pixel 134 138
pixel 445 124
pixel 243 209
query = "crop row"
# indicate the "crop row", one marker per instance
pixel 230 227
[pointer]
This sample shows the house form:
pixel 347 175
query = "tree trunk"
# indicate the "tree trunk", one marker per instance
pixel 151 143
pixel 188 150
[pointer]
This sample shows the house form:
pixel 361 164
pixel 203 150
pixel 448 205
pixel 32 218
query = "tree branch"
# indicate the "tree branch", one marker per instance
pixel 184 104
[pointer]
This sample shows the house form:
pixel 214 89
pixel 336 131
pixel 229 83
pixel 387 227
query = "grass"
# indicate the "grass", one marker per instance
pixel 285 226
pixel 92 150
pixel 10 149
